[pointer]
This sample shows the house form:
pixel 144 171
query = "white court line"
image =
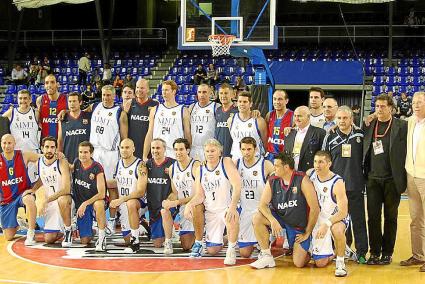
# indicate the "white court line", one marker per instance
pixel 17 281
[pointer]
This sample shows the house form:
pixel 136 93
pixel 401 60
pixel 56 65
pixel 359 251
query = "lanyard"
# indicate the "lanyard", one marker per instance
pixel 376 135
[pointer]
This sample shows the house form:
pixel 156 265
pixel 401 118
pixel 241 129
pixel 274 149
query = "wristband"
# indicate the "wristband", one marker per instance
pixel 328 223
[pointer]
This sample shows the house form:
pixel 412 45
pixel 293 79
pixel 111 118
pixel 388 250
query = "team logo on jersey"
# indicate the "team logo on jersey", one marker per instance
pixel 207 111
pixel 91 176
pixel 255 173
pixel 294 190
pixel 110 114
pixel 358 140
pixel 325 189
pixel 217 172
pixel 173 113
pixel 249 124
pixel 30 117
pixel 85 121
pixel 130 172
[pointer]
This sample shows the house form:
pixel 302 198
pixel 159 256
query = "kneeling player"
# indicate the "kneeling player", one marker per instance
pixel 254 173
pixel 293 206
pixel 54 175
pixel 182 176
pixel 333 216
pixel 131 180
pixel 88 191
pixel 218 187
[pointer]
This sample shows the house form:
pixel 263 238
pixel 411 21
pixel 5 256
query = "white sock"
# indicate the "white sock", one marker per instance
pixel 266 251
pixel 68 228
pixel 199 242
pixel 30 232
pixel 111 218
pixel 340 259
pixel 101 233
pixel 167 240
pixel 232 245
pixel 135 233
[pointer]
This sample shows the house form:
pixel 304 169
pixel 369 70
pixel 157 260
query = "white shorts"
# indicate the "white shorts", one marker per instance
pixel 214 228
pixel 186 226
pixel 125 221
pixel 197 152
pixel 108 160
pixel 322 248
pixel 53 220
pixel 246 230
pixel 33 172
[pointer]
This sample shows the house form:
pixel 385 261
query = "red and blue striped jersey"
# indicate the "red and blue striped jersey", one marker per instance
pixel 13 176
pixel 49 114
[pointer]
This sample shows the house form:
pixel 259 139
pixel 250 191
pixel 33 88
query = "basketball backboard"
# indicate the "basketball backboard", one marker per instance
pixel 252 22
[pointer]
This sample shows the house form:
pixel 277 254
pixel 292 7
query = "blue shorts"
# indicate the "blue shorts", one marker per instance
pixel 85 223
pixel 157 231
pixel 291 233
pixel 9 212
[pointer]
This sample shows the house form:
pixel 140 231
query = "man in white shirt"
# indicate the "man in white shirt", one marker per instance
pixel 415 167
pixel 316 99
pixel 19 75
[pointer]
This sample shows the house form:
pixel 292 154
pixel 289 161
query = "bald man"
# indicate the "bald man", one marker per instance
pixel 131 179
pixel 138 115
pixel 330 107
pixel 15 189
pixel 304 140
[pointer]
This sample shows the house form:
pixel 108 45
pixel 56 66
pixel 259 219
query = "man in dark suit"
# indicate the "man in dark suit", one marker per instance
pixel 304 141
pixel 384 154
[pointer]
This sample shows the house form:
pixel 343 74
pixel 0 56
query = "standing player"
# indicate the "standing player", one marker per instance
pixel 49 106
pixel 277 120
pixel 15 189
pixel 182 176
pixel 74 128
pixel 217 190
pixel 158 189
pixel 138 115
pixel 56 207
pixel 127 93
pixel 333 216
pixel 130 179
pixel 109 125
pixel 167 121
pixel 288 201
pixel 202 121
pixel 316 98
pixel 244 124
pixel 89 192
pixel 24 128
pixel 222 114
pixel 254 173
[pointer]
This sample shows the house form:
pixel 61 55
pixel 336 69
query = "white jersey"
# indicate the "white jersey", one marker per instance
pixel 126 177
pixel 240 129
pixel 202 123
pixel 50 176
pixel 324 190
pixel 318 120
pixel 217 187
pixel 24 128
pixel 183 179
pixel 168 125
pixel 105 127
pixel 253 182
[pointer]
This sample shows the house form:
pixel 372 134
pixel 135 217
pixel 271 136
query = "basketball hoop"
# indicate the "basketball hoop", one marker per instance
pixel 220 44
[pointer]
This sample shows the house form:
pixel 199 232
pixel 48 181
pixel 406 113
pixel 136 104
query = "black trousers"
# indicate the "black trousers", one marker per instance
pixel 382 191
pixel 82 77
pixel 356 209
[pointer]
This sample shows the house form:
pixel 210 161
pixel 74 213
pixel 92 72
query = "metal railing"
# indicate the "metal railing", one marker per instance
pixel 83 36
pixel 356 32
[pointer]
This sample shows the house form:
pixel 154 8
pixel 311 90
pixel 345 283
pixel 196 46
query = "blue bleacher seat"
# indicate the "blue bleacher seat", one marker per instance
pixel 181 99
pixel 11 89
pixel 190 99
pixel 378 80
pixel 41 90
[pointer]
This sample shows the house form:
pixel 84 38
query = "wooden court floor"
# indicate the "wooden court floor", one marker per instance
pixel 14 269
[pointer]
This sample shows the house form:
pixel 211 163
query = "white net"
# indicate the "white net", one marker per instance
pixel 220 44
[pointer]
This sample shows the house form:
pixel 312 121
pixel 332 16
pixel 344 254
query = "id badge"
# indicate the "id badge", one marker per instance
pixel 378 148
pixel 346 150
pixel 297 148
